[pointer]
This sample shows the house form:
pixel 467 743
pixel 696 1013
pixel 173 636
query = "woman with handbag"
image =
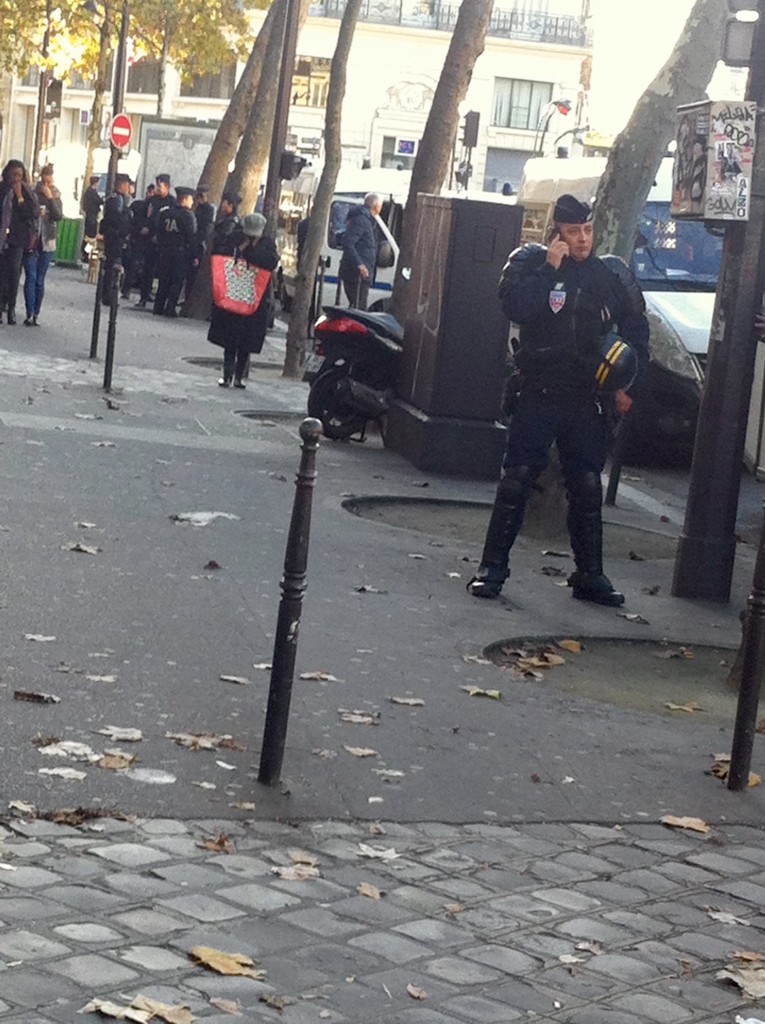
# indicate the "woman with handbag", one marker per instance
pixel 43 245
pixel 241 267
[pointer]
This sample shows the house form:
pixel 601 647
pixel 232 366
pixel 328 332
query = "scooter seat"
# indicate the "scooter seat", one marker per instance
pixel 384 324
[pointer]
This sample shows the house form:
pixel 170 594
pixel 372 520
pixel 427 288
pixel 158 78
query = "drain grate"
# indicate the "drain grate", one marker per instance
pixel 263 416
pixel 216 362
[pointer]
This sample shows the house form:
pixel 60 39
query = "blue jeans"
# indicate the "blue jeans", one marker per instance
pixel 35 268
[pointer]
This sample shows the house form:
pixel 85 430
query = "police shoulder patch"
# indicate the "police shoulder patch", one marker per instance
pixel 557 297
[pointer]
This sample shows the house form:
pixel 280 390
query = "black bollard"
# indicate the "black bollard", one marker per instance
pixel 97 309
pixel 293 584
pixel 752 667
pixel 117 274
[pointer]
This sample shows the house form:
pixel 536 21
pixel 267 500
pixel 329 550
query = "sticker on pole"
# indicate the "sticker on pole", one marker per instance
pixel 121 131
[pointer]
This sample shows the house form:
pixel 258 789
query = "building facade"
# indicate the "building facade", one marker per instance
pixel 529 75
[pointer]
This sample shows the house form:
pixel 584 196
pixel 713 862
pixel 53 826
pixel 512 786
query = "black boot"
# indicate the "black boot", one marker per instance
pixel 589 582
pixel 11 316
pixel 241 368
pixel 228 368
pixel 505 522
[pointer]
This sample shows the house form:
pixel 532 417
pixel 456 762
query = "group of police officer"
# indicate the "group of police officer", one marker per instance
pixel 162 236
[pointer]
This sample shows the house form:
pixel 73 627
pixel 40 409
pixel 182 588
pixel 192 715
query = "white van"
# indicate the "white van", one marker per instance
pixel 352 185
pixel 677 263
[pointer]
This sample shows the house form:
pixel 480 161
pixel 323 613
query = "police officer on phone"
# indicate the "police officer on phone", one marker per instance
pixel 583 344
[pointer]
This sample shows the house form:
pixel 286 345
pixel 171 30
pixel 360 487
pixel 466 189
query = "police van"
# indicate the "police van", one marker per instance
pixel 677 263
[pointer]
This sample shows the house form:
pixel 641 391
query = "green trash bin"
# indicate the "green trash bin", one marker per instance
pixel 69 241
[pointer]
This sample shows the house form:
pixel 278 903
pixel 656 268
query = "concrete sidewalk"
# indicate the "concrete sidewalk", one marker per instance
pixel 536 813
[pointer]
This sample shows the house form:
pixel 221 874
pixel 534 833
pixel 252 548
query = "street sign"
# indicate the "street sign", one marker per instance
pixel 121 131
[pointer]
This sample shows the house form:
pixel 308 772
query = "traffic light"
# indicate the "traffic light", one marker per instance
pixel 290 165
pixel 470 129
pixel 53 99
pixel 739 33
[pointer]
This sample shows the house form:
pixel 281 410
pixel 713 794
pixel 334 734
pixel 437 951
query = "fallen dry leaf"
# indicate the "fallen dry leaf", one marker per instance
pixel 201 518
pixel 723 916
pixel 199 740
pixel 226 963
pixel 101 679
pixel 747 956
pixel 240 680
pixel 108 1009
pixel 676 652
pixel 690 707
pixel 477 691
pixel 39 638
pixel 85 549
pixel 204 785
pixel 412 702
pixel 361 751
pixel 243 805
pixel 367 889
pixel 693 824
pixel 64 773
pixel 550 553
pixel 276 1002
pixel 569 959
pixel 36 698
pixel 120 735
pixel 264 666
pixel 179 1014
pixel 633 617
pixel 296 872
pixel 572 646
pixel 217 844
pixel 22 807
pixel 356 717
pixel 71 749
pixel 79 815
pixel 228 1006
pixel 720 768
pixel 116 760
pixel 475 659
pixel 415 992
pixel 453 908
pixel 320 677
pixel 303 857
pixel 375 854
pixel 590 946
pixel 751 980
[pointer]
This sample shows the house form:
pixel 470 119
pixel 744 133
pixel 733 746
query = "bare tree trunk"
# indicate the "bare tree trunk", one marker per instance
pixel 333 154
pixel 233 122
pixel 99 89
pixel 638 150
pixel 435 150
pixel 163 62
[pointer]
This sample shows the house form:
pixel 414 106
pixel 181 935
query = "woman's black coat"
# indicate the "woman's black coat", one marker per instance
pixel 245 333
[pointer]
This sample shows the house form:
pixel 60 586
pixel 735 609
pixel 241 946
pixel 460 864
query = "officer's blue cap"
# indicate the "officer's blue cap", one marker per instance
pixel 568 210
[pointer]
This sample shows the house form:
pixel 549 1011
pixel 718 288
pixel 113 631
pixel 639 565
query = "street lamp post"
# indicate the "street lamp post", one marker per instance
pixel 42 91
pixel 562 107
pixel 120 69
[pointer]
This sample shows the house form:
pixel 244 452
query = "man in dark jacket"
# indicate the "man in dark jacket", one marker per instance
pixel 91 204
pixel 222 243
pixel 176 240
pixel 204 211
pixel 115 228
pixel 161 200
pixel 566 302
pixel 359 259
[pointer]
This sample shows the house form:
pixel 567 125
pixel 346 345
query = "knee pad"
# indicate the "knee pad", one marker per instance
pixel 515 485
pixel 586 492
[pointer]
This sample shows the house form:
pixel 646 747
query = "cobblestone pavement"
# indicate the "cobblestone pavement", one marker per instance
pixel 488 921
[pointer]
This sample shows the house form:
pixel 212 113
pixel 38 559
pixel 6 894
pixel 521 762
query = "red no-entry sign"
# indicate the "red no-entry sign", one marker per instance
pixel 121 131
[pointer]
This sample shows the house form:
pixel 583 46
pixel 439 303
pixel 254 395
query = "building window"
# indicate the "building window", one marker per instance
pixel 310 83
pixel 519 104
pixel 212 87
pixel 143 76
pixel 398 153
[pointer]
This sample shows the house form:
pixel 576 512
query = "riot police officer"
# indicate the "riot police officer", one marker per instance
pixel 567 304
pixel 115 229
pixel 176 246
pixel 161 200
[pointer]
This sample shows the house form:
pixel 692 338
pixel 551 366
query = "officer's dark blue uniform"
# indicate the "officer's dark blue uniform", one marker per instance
pixel 176 246
pixel 115 229
pixel 564 315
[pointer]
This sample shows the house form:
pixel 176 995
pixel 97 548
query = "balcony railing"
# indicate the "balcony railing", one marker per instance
pixel 510 23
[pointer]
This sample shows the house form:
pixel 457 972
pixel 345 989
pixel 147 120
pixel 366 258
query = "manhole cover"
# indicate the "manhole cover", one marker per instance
pixel 216 362
pixel 467 521
pixel 640 675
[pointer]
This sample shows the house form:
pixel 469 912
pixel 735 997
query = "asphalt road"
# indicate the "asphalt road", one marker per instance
pixel 140 632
